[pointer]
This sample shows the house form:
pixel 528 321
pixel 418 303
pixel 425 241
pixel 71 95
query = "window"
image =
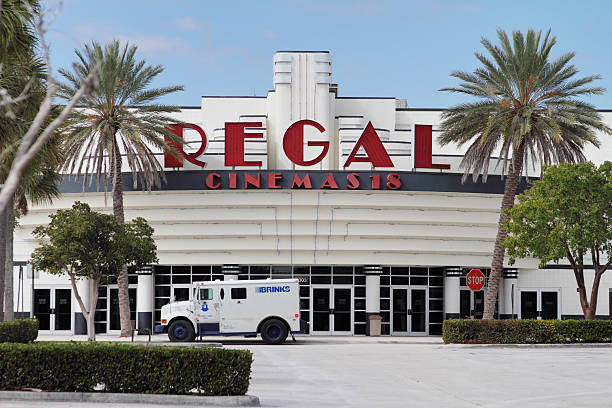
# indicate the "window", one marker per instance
pixel 206 294
pixel 239 293
pixel 181 294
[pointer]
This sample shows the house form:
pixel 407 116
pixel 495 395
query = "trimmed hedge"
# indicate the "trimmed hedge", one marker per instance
pixel 125 368
pixel 19 331
pixel 526 331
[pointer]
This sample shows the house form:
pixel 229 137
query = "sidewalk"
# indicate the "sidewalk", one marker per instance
pixel 162 339
pixel 306 340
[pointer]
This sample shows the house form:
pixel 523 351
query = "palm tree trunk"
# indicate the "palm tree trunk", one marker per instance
pixel 122 278
pixel 9 311
pixel 512 180
pixel 3 233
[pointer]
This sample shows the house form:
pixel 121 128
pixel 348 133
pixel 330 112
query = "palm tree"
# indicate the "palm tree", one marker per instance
pixel 21 73
pixel 119 118
pixel 528 109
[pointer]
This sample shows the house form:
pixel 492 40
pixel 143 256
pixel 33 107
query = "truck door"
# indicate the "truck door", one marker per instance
pixel 207 308
pixel 236 313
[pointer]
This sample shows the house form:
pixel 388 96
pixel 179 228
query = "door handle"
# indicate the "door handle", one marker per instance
pixel 331 311
pixel 52 311
pixel 409 312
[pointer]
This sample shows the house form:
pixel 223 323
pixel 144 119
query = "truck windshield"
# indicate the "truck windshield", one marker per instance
pixel 206 294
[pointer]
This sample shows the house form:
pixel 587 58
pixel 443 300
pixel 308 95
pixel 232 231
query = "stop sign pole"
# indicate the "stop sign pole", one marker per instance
pixel 475 280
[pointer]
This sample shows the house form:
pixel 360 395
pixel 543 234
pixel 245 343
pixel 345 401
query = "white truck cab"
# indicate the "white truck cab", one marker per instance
pixel 270 307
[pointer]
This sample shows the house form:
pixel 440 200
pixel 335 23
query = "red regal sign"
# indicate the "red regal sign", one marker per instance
pixel 293 146
pixel 171 161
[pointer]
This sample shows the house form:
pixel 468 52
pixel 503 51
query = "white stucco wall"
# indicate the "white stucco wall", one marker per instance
pixel 319 227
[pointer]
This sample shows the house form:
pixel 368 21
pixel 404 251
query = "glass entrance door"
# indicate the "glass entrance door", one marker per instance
pixel 409 311
pixel 53 309
pixel 529 304
pixel 321 311
pixel 114 321
pixel 471 304
pixel 343 312
pixel 332 311
pixel 42 309
pixel 400 312
pixel 540 304
pixel 549 302
pixel 418 317
pixel 63 310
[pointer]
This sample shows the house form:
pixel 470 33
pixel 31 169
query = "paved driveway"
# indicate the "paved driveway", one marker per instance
pixel 404 374
pixel 400 372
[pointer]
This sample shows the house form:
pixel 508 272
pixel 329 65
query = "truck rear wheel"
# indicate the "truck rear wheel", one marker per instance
pixel 274 331
pixel 181 331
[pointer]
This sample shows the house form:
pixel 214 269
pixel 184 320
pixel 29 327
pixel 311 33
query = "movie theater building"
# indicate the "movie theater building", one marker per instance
pixel 351 195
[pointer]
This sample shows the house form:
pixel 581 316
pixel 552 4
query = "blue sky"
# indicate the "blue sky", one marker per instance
pixel 404 49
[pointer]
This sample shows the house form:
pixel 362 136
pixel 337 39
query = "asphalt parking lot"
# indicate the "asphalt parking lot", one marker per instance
pixel 405 374
pixel 400 372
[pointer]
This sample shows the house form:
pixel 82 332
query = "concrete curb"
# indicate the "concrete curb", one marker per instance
pixel 112 398
pixel 530 346
pixel 171 344
pixel 151 344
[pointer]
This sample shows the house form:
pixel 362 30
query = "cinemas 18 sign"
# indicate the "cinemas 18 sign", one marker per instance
pixel 301 180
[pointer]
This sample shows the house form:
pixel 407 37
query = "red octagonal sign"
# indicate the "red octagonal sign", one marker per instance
pixel 475 279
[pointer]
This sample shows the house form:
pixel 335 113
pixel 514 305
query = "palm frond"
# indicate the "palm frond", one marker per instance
pixel 121 112
pixel 522 99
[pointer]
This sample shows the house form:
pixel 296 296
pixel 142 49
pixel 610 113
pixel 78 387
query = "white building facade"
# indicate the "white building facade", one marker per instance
pixel 353 196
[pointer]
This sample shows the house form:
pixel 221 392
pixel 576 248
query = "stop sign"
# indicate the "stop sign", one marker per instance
pixel 475 279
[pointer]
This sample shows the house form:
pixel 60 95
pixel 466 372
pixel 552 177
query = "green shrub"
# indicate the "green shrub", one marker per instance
pixel 19 331
pixel 526 331
pixel 125 368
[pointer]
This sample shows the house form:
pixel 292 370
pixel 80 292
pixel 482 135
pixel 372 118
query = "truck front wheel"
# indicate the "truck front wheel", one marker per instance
pixel 181 331
pixel 274 331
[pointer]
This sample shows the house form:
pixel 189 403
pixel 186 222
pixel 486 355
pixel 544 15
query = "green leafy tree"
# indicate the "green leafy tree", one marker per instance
pixel 528 109
pixel 566 214
pixel 85 244
pixel 119 118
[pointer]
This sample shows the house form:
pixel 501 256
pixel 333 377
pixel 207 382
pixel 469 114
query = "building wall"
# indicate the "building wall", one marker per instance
pixel 319 227
pixel 564 280
pixel 303 227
